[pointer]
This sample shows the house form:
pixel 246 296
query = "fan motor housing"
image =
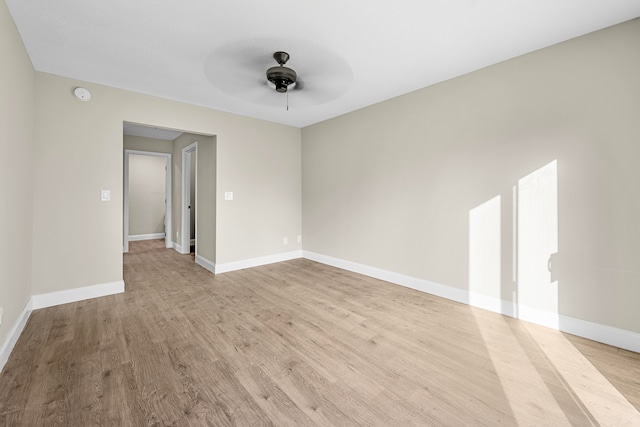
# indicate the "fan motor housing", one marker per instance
pixel 281 77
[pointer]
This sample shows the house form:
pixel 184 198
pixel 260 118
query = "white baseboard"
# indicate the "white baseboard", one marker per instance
pixel 49 300
pixel 138 237
pixel 433 288
pixel 177 247
pixel 14 334
pixel 208 264
pixel 621 338
pixel 255 262
pixel 602 333
pixel 77 294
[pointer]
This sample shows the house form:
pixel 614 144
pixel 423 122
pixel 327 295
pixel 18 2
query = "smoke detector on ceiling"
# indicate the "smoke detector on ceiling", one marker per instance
pixel 82 94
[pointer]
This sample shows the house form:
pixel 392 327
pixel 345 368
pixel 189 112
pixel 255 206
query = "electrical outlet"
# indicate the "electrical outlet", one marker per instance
pixel 285 241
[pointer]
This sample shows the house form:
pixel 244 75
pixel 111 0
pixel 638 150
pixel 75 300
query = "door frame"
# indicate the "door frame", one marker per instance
pixel 185 238
pixel 167 192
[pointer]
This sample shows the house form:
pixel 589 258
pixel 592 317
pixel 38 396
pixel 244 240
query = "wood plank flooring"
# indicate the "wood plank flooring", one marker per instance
pixel 300 344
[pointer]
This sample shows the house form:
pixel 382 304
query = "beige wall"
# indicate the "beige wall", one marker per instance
pixel 142 143
pixel 255 197
pixel 392 186
pixel 146 194
pixel 78 151
pixel 206 198
pixel 17 100
pixel 204 208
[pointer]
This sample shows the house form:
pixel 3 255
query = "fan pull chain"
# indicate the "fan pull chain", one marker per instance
pixel 287 100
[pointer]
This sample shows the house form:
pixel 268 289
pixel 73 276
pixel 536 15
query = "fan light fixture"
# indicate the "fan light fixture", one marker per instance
pixel 282 77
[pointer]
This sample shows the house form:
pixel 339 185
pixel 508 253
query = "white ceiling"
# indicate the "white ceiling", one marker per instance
pixel 348 53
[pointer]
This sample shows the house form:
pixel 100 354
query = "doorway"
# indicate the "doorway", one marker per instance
pixel 200 159
pixel 154 199
pixel 189 223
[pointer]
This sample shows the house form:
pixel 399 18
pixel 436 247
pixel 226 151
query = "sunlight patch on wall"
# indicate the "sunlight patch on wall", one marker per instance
pixel 484 250
pixel 537 236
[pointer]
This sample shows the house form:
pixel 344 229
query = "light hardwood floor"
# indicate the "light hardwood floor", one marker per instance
pixel 300 344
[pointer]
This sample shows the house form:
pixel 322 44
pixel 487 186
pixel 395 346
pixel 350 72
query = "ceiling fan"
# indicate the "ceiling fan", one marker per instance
pixel 283 78
pixel 238 70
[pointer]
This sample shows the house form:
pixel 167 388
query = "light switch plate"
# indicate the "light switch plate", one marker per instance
pixel 228 195
pixel 105 195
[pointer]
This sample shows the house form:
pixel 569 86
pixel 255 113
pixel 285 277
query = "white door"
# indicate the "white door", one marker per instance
pixel 187 205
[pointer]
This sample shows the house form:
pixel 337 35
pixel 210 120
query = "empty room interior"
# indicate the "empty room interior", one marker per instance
pixel 347 213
